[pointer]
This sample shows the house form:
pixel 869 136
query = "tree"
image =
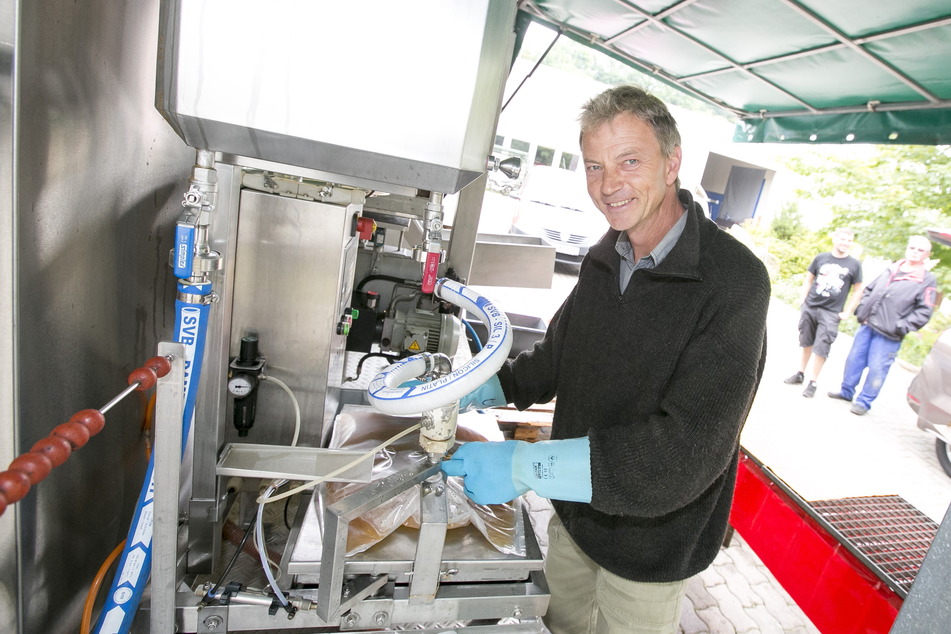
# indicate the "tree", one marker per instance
pixel 788 222
pixel 886 195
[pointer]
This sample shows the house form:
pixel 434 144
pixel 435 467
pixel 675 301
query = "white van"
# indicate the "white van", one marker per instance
pixel 554 205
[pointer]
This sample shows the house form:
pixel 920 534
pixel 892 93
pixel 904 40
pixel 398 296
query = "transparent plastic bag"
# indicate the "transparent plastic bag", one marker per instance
pixel 497 522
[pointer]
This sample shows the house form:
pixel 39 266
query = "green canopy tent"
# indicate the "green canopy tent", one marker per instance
pixel 791 71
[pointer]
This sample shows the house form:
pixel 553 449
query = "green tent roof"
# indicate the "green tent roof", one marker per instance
pixel 819 71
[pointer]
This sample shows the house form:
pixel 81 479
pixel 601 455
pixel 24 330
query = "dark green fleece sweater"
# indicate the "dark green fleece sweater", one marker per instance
pixel 660 379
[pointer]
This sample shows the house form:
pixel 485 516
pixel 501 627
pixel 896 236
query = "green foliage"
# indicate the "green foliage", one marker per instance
pixel 788 222
pixel 916 345
pixel 793 256
pixel 788 289
pixel 789 247
pixel 885 194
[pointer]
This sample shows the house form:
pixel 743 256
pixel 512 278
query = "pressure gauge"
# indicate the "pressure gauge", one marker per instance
pixel 241 385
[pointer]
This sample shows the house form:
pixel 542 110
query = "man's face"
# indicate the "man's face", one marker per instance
pixel 841 243
pixel 918 250
pixel 628 176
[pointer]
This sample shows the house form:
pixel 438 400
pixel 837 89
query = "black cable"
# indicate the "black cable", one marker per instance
pixel 210 595
pixel 531 72
pixel 386 278
pixel 390 357
pixel 287 503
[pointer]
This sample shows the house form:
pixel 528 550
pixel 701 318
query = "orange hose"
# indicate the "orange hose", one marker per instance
pixel 94 588
pixel 147 421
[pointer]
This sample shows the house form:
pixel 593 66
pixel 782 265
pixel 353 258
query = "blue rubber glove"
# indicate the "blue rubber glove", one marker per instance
pixel 487 471
pixel 498 472
pixel 489 394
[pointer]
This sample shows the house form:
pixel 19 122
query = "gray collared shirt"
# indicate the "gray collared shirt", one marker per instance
pixel 652 259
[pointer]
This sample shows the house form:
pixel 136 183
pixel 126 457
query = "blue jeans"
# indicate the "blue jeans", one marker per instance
pixel 873 351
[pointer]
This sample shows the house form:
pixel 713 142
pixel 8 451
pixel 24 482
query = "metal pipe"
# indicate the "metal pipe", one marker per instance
pixel 118 397
pixel 191 260
pixel 430 252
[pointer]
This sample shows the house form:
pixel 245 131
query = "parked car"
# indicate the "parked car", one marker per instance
pixel 929 394
pixel 554 206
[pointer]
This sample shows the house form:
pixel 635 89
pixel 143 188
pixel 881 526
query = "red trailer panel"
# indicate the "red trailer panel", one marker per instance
pixel 833 581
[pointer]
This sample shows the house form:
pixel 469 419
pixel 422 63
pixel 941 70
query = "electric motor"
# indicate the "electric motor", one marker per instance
pixel 416 330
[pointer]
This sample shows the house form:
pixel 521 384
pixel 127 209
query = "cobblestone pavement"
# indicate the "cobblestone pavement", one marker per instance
pixel 738 594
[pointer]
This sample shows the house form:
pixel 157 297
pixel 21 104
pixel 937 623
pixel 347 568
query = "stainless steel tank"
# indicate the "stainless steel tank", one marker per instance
pixel 409 97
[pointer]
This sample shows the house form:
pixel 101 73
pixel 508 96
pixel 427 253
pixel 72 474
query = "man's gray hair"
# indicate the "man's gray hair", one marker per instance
pixel 641 104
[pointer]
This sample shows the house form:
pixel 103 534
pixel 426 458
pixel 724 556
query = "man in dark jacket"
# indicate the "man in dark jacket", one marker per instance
pixel 899 301
pixel 654 358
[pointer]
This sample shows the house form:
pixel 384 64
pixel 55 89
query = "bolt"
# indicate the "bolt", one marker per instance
pixel 517 612
pixel 380 618
pixel 352 619
pixel 213 622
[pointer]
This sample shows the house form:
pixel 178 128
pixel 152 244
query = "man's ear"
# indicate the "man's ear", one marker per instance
pixel 673 165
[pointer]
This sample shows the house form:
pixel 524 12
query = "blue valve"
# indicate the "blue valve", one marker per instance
pixel 184 250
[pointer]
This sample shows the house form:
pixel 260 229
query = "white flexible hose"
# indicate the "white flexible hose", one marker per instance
pixel 385 393
pixel 261 545
pixel 294 402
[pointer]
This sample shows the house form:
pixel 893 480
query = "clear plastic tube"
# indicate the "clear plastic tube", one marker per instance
pixel 262 547
pixel 297 417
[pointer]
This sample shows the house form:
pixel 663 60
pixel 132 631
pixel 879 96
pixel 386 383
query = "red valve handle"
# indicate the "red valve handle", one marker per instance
pixel 430 271
pixel 365 227
pixel 50 452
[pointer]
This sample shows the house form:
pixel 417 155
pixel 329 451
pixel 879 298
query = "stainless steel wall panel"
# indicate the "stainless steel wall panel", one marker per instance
pixel 293 277
pixel 10 563
pixel 92 184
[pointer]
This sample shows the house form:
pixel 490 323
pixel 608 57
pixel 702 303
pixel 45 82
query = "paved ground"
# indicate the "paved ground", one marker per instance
pixel 822 450
pixel 815 445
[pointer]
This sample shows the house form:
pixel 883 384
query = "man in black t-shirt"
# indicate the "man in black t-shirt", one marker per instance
pixel 824 291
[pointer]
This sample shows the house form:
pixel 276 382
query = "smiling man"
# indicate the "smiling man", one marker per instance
pixel 654 358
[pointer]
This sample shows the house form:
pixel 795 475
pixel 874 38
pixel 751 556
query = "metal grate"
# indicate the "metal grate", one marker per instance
pixel 892 534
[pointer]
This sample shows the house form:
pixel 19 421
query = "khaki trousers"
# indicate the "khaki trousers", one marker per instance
pixel 587 599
